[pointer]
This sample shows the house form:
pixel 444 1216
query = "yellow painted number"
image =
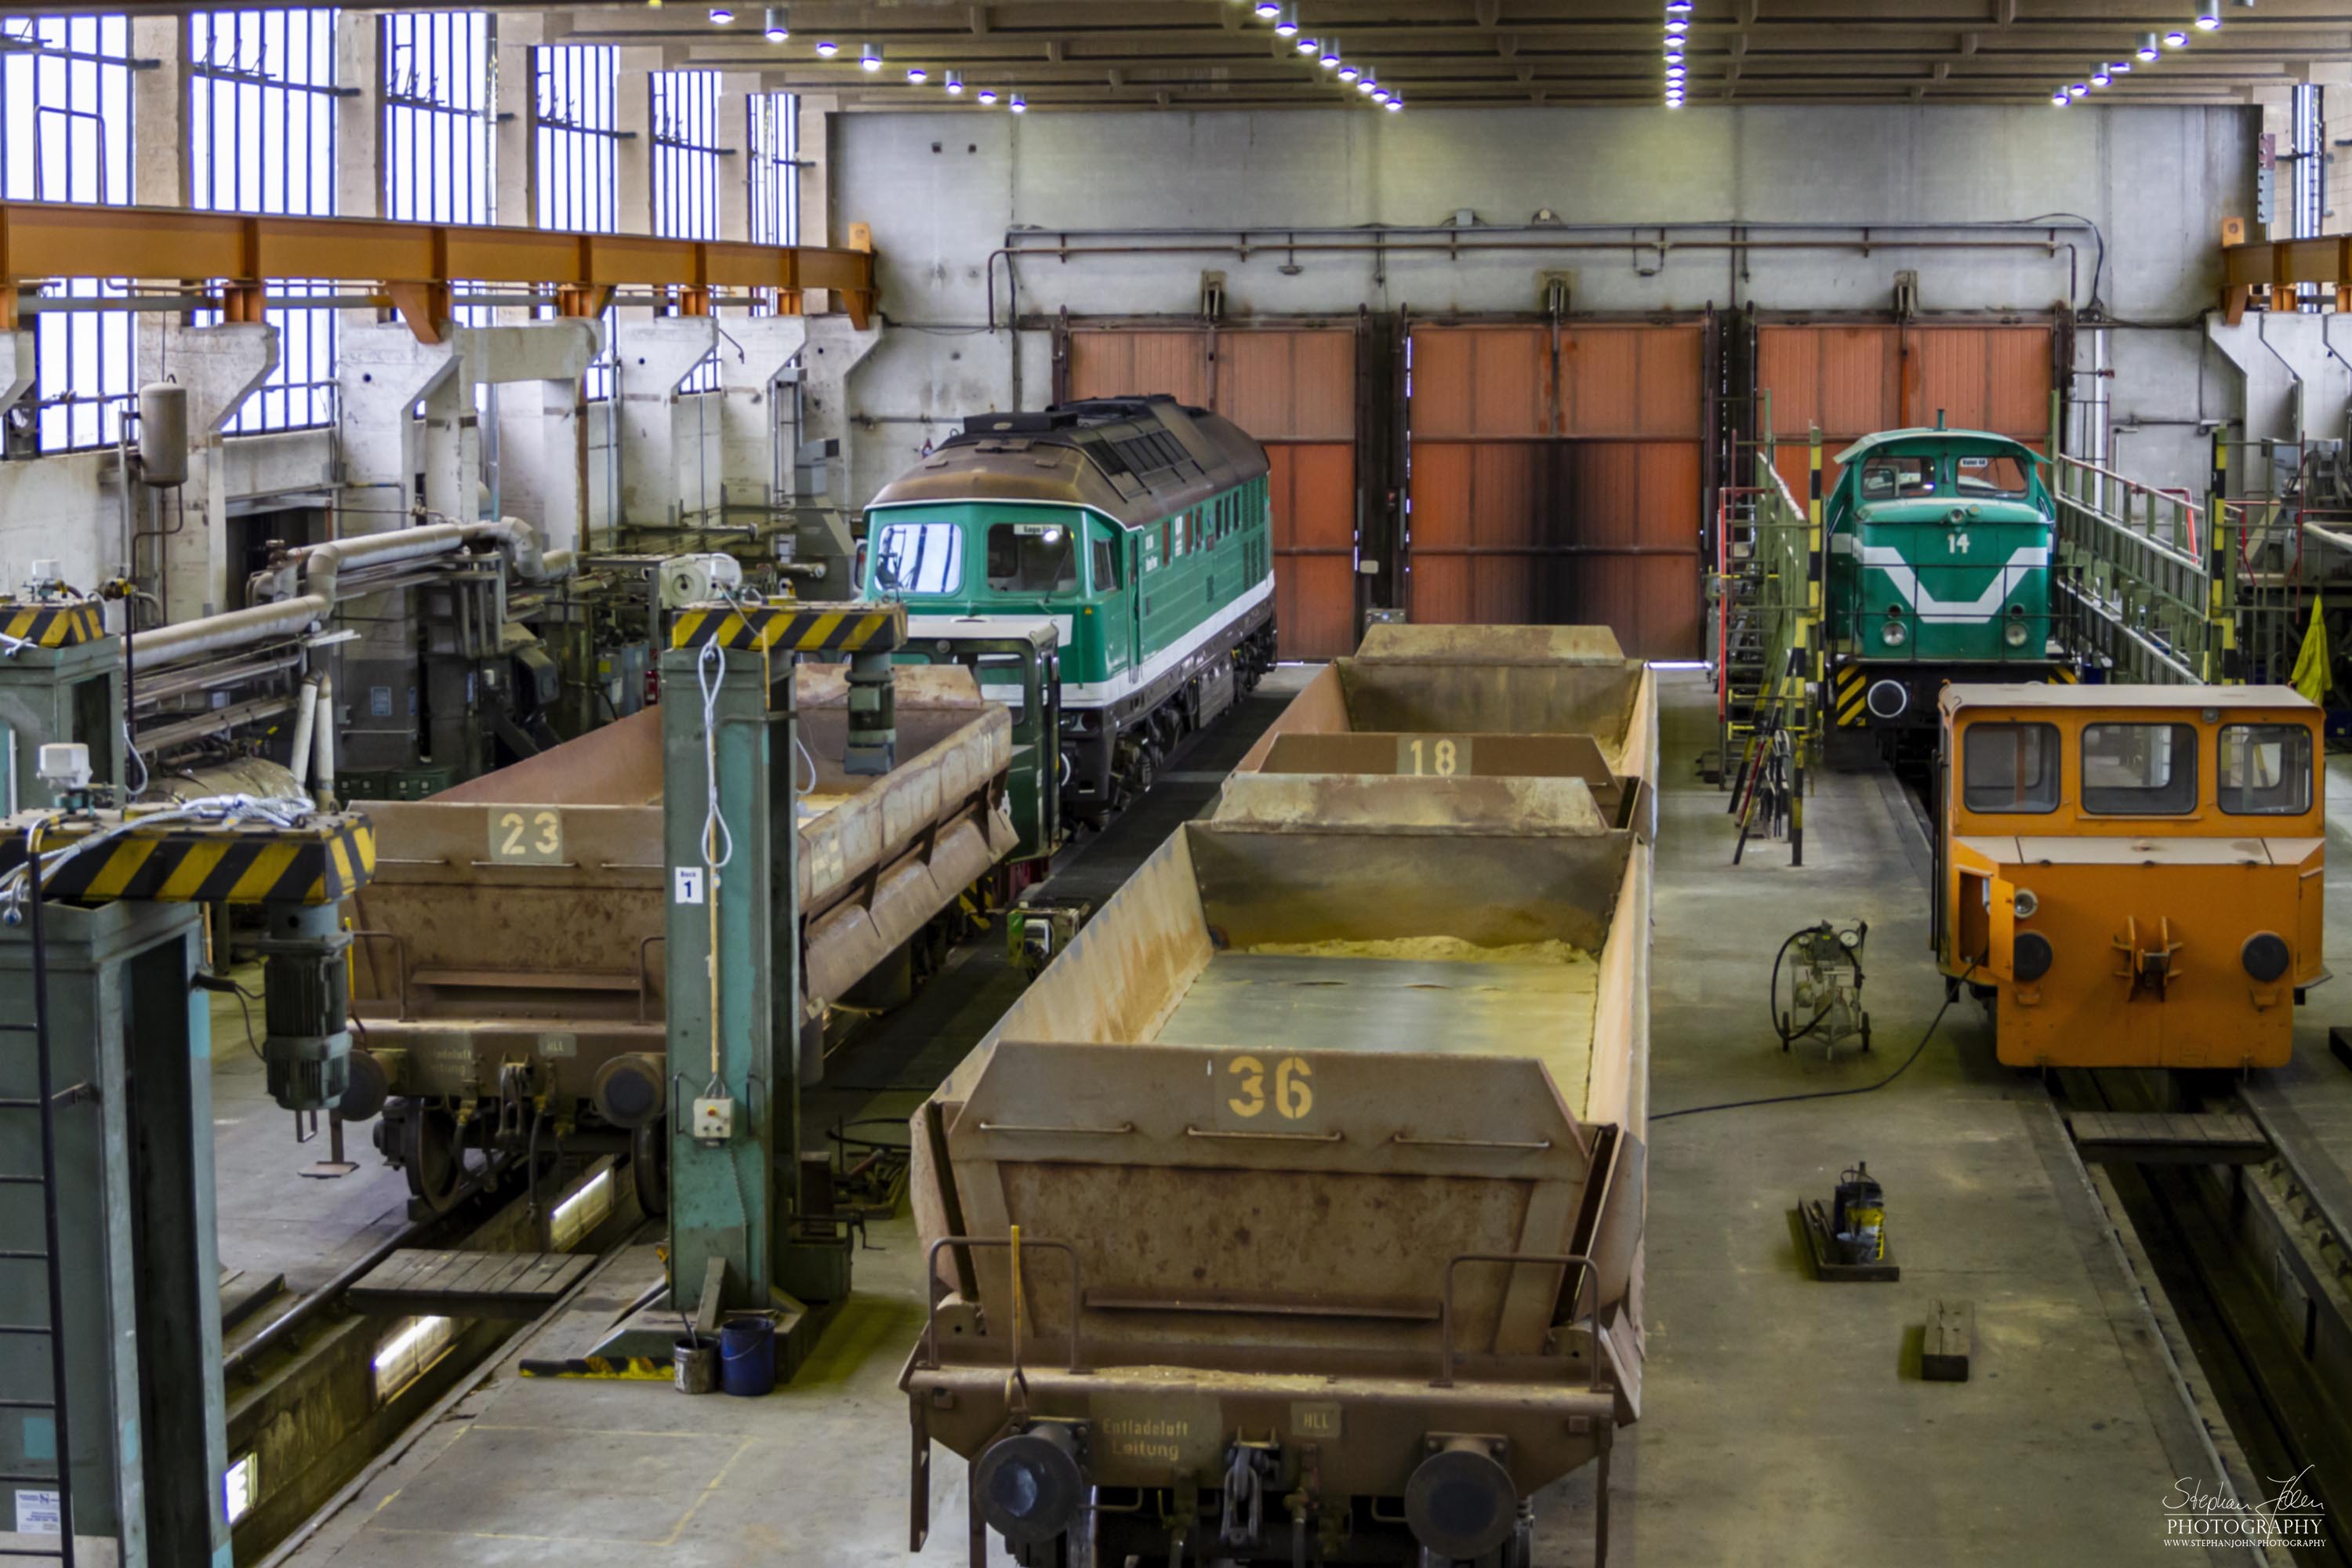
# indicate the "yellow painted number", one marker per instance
pixel 1442 759
pixel 1293 1097
pixel 533 837
pixel 1251 1097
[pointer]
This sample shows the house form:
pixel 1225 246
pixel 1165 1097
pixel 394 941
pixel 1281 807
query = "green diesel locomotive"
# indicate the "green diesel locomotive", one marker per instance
pixel 1139 526
pixel 1938 570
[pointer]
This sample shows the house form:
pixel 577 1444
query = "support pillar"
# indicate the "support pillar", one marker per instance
pixel 834 349
pixel 221 367
pixel 543 439
pixel 751 356
pixel 669 457
pixel 15 367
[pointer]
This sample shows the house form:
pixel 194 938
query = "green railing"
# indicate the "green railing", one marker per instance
pixel 2133 571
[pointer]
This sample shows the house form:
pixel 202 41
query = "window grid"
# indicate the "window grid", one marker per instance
pixel 775 140
pixel 686 173
pixel 439 154
pixel 262 129
pixel 65 136
pixel 576 136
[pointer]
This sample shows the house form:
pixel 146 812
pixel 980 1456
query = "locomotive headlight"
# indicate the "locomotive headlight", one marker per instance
pixel 1892 634
pixel 2014 634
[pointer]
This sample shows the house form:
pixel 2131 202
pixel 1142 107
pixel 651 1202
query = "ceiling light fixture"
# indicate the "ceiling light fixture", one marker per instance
pixel 2059 98
pixel 1678 7
pixel 1676 25
pixel 1307 45
pixel 1675 73
pixel 1349 73
pixel 1019 105
pixel 869 56
pixel 720 15
pixel 826 48
pixel 987 95
pixel 2209 16
pixel 2099 77
pixel 1331 60
pixel 917 76
pixel 1269 10
pixel 779 27
pixel 1367 83
pixel 2147 47
pixel 954 83
pixel 2175 39
pixel 1287 25
pixel 2078 90
pixel 1395 104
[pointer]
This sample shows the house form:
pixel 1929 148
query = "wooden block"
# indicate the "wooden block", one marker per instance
pixel 714 1296
pixel 1944 1349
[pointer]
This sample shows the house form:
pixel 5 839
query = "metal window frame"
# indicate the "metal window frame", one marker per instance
pixel 86 61
pixel 687 173
pixel 293 67
pixel 774 135
pixel 440 100
pixel 575 141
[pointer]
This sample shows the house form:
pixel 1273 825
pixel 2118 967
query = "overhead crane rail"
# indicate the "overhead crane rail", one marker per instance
pixel 412 266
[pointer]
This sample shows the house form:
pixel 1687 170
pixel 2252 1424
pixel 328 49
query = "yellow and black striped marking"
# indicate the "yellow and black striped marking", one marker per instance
pixel 1848 688
pixel 2062 675
pixel 185 864
pixel 629 1368
pixel 51 625
pixel 793 627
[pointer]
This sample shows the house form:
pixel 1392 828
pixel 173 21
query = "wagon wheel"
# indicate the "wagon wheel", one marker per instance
pixel 649 1167
pixel 434 1154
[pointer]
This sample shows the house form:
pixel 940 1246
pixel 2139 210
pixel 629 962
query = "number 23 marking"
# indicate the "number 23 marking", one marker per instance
pixel 1293 1097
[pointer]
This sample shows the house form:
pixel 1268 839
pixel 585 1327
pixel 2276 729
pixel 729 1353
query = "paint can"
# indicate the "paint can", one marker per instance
pixel 696 1361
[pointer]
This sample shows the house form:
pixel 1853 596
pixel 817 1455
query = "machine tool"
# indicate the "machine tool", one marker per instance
pixel 1824 962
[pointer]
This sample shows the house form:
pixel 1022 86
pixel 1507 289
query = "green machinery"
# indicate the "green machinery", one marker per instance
pixel 112 1412
pixel 61 680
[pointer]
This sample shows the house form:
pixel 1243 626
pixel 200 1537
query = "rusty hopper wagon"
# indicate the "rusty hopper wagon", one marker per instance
pixel 1294 1214
pixel 508 954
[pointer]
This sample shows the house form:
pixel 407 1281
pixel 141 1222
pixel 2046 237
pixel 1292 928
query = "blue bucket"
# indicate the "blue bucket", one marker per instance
pixel 747 1356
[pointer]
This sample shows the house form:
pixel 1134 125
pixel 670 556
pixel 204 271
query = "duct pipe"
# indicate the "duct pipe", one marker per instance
pixel 306 711
pixel 213 634
pixel 323 733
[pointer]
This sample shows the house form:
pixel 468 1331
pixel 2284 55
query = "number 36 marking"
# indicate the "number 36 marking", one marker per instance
pixel 1293 1097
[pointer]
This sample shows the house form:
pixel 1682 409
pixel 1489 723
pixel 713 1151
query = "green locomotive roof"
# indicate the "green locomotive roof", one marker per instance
pixel 1911 443
pixel 1133 460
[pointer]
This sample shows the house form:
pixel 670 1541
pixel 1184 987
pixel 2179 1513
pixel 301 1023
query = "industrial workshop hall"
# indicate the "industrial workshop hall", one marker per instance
pixel 1223 783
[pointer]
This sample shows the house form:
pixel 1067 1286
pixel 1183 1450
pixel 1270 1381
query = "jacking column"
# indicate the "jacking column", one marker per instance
pixel 749 1212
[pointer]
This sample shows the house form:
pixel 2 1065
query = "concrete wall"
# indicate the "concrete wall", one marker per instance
pixel 941 192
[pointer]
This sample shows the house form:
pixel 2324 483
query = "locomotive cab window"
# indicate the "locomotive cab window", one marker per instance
pixel 2140 769
pixel 1999 478
pixel 2266 770
pixel 918 558
pixel 2009 767
pixel 1886 478
pixel 1106 553
pixel 1031 558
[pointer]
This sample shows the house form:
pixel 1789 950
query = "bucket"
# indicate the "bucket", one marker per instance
pixel 747 1356
pixel 696 1361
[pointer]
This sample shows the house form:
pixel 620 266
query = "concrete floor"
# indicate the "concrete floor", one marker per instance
pixel 1784 1421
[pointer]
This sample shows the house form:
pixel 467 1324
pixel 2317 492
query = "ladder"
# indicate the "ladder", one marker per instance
pixel 43 1106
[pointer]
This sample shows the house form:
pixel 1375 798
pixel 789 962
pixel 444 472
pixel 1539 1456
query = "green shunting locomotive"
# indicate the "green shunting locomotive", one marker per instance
pixel 1139 526
pixel 1938 570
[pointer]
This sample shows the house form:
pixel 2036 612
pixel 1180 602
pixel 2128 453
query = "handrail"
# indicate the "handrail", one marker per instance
pixel 930 1343
pixel 417 263
pixel 1590 1276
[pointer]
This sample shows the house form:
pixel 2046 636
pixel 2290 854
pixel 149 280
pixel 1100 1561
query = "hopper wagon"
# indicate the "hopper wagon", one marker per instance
pixel 508 968
pixel 1295 1213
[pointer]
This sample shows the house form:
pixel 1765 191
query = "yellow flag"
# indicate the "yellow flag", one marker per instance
pixel 2311 674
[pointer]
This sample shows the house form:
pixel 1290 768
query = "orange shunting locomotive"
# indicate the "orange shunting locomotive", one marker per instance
pixel 2135 871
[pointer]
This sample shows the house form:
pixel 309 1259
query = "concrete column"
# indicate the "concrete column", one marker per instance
pixel 816 110
pixel 220 366
pixel 633 108
pixel 159 109
pixel 542 432
pixel 515 202
pixel 735 90
pixel 751 355
pixel 15 367
pixel 664 474
pixel 383 373
pixel 359 118
pixel 834 349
